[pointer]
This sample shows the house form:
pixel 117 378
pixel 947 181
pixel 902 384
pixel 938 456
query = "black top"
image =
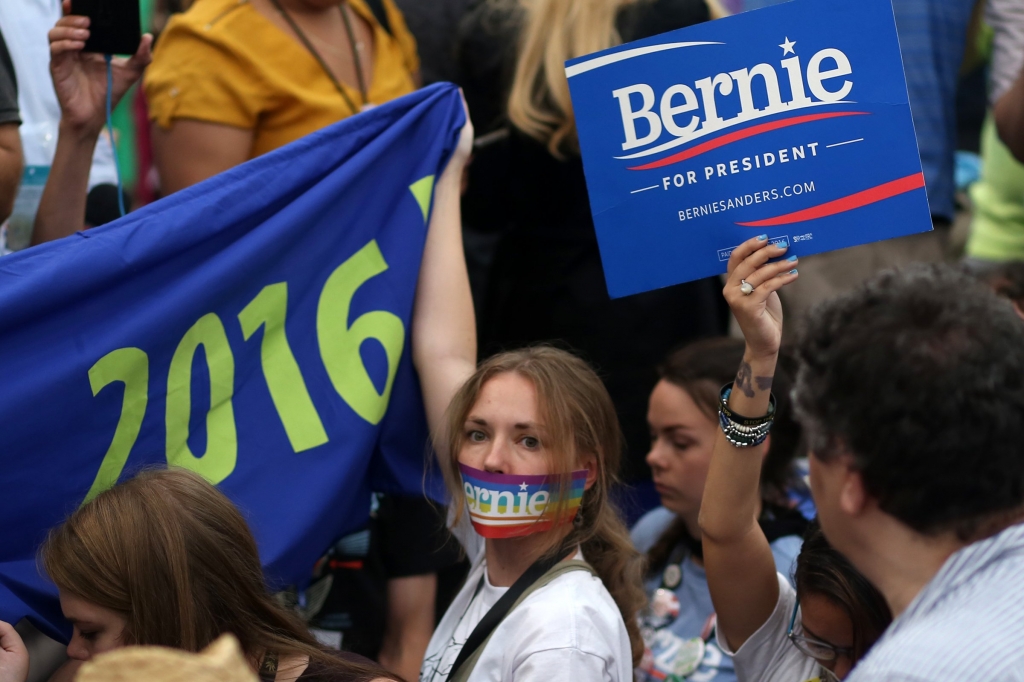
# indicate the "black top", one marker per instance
pixel 545 282
pixel 8 87
pixel 434 24
pixel 406 536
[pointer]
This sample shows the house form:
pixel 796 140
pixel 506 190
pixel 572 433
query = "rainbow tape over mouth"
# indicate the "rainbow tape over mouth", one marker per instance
pixel 508 506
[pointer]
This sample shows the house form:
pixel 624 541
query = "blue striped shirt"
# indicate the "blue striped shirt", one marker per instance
pixel 966 625
pixel 932 38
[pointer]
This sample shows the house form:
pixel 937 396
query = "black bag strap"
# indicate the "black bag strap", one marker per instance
pixel 501 607
pixel 380 14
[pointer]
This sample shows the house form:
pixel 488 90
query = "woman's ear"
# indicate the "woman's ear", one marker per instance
pixel 589 462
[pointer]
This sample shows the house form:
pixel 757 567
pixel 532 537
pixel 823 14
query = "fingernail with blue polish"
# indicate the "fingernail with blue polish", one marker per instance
pixel 792 259
pixel 793 271
pixel 783 245
pixel 762 237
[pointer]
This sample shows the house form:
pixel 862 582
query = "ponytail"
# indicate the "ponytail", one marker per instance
pixel 609 550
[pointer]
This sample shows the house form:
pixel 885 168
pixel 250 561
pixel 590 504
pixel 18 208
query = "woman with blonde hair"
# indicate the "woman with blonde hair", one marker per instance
pixel 531 443
pixel 527 196
pixel 166 559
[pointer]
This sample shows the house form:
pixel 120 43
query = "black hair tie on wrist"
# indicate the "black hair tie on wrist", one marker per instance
pixel 744 432
pixel 740 419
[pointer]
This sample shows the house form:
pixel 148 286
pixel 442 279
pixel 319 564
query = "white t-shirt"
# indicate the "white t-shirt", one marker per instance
pixel 570 629
pixel 25 24
pixel 768 655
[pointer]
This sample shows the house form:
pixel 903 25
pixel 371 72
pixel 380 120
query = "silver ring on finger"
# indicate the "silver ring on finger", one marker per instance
pixel 746 288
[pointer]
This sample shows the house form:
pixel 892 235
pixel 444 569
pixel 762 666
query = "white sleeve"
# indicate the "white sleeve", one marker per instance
pixel 768 655
pixel 563 664
pixel 1006 17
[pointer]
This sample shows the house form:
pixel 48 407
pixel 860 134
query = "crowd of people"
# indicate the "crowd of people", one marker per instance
pixel 865 522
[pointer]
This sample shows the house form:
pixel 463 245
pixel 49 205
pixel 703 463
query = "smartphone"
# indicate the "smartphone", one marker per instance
pixel 114 26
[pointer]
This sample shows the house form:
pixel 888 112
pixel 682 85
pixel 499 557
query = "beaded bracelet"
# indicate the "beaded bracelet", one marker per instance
pixel 739 419
pixel 744 432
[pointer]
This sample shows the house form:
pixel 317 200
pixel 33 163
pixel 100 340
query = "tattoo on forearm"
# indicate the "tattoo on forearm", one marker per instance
pixel 745 380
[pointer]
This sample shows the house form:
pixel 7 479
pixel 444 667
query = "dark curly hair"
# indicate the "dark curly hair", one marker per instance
pixel 918 374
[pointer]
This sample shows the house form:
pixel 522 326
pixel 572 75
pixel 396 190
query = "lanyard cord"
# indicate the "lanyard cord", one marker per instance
pixel 355 52
pixel 323 65
pixel 110 133
pixel 674 565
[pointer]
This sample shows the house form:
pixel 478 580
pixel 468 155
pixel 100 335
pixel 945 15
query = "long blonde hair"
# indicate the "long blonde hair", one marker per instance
pixel 579 417
pixel 555 31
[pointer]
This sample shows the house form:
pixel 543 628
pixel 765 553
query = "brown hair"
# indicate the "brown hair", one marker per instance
pixel 701 369
pixel 174 555
pixel 580 418
pixel 820 569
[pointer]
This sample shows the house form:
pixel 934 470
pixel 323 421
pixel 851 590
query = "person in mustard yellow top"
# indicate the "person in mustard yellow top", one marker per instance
pixel 234 79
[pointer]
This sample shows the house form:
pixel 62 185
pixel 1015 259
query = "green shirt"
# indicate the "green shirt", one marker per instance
pixel 997 228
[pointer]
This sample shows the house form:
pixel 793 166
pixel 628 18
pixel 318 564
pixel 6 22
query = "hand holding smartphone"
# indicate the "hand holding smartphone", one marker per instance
pixel 113 25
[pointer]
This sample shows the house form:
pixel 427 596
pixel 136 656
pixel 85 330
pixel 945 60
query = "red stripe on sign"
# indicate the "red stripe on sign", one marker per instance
pixel 849 203
pixel 356 565
pixel 742 135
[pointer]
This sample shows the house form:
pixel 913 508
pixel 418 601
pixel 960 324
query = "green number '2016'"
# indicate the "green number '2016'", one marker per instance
pixel 340 343
pixel 284 380
pixel 339 349
pixel 131 367
pixel 221 439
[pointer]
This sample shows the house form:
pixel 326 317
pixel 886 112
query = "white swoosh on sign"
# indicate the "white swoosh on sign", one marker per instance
pixel 729 123
pixel 598 62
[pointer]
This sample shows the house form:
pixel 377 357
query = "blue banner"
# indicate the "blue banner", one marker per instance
pixel 253 328
pixel 791 120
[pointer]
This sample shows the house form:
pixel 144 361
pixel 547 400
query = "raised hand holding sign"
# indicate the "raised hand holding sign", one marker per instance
pixel 792 118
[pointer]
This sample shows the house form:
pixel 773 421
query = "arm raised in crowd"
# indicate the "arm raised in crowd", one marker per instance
pixel 11 160
pixel 11 165
pixel 443 324
pixel 1006 71
pixel 737 556
pixel 1009 115
pixel 80 80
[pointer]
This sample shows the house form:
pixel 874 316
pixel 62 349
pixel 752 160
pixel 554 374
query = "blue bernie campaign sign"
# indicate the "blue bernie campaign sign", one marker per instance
pixel 791 120
pixel 253 328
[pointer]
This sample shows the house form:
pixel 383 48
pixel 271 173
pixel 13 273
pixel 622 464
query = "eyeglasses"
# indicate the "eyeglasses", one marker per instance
pixel 815 648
